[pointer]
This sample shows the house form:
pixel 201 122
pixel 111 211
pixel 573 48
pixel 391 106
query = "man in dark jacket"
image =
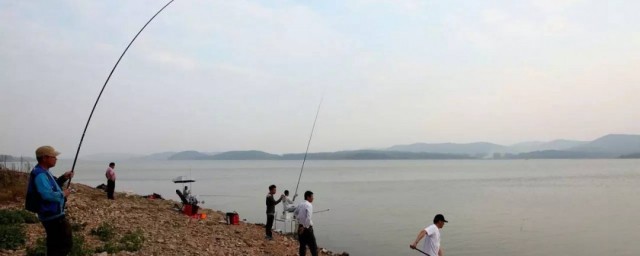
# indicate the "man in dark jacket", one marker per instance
pixel 271 210
pixel 46 197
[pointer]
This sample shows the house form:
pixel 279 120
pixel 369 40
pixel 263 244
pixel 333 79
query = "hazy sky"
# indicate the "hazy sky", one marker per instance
pixel 238 75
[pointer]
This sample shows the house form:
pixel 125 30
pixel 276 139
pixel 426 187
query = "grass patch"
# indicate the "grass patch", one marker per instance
pixel 105 232
pixel 77 227
pixel 78 248
pixel 9 216
pixel 12 230
pixel 109 247
pixel 28 217
pixel 12 236
pixel 39 248
pixel 132 241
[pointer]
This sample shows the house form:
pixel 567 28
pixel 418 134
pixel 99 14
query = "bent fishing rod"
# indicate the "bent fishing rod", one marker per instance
pixel 75 159
pixel 308 144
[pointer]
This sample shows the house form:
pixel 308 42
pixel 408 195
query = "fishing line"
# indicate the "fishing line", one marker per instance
pixel 75 159
pixel 308 144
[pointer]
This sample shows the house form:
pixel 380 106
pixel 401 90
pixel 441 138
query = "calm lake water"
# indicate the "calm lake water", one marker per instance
pixel 520 207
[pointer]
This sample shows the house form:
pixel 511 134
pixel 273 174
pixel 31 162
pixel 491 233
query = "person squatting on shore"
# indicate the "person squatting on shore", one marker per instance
pixel 303 213
pixel 271 211
pixel 46 197
pixel 431 234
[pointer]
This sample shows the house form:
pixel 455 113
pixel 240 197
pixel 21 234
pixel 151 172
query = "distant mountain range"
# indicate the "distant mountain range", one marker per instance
pixel 636 155
pixel 609 146
pixel 472 149
pixel 482 149
pixel 612 145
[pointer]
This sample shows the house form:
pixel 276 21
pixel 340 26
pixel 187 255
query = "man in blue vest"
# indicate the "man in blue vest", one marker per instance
pixel 46 197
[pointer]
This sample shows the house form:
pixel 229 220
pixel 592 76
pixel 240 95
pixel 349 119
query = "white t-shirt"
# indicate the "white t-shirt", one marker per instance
pixel 431 243
pixel 303 213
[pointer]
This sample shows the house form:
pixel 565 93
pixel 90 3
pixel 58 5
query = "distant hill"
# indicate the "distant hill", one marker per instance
pixel 159 156
pixel 473 149
pixel 373 155
pixel 543 146
pixel 557 154
pixel 629 156
pixel 613 145
pixel 188 155
pixel 609 146
pixel 244 155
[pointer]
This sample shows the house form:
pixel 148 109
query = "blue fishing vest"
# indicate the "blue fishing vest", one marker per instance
pixel 46 210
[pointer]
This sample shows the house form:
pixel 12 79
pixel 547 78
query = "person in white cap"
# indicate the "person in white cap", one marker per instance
pixel 46 197
pixel 431 234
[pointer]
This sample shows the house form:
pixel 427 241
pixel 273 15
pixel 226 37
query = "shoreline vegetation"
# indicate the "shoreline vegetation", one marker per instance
pixel 131 225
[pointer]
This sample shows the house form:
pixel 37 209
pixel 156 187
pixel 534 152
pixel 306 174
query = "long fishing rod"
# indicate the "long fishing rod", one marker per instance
pixel 75 159
pixel 237 196
pixel 308 144
pixel 323 211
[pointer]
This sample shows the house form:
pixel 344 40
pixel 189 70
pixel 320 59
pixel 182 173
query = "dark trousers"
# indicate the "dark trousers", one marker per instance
pixel 111 186
pixel 307 238
pixel 59 237
pixel 270 218
pixel 269 225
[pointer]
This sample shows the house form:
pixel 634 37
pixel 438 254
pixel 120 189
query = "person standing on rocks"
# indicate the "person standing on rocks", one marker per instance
pixel 111 180
pixel 271 210
pixel 46 197
pixel 305 228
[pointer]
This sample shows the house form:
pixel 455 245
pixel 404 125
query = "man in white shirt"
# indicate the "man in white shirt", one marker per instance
pixel 287 204
pixel 305 228
pixel 431 234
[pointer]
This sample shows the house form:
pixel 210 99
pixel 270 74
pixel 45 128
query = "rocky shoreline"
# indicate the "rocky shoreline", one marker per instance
pixel 165 231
